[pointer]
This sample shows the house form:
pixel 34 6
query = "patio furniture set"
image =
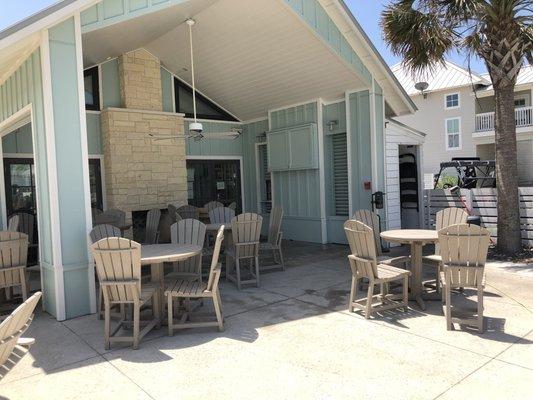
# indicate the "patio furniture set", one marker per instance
pixel 176 274
pixel 459 259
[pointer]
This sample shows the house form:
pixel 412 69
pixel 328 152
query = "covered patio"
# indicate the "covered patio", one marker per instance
pixel 293 338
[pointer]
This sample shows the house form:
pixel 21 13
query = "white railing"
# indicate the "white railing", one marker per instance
pixel 523 117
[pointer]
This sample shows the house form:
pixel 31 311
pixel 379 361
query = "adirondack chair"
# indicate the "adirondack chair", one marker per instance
pixel 152 226
pixel 100 232
pixel 191 290
pixel 463 249
pixel 188 212
pixel 233 206
pixel 364 264
pixel 12 346
pixel 172 210
pixel 187 231
pixel 13 223
pixel 118 264
pixel 114 216
pixel 212 205
pixel 444 218
pixel 246 232
pixel 273 243
pixel 221 215
pixel 13 260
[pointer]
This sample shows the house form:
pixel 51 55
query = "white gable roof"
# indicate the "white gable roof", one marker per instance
pixel 443 77
pixel 525 77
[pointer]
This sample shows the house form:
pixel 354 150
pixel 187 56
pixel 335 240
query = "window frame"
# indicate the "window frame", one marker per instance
pixel 522 97
pixel 446 101
pixel 225 116
pixel 447 134
pixel 94 73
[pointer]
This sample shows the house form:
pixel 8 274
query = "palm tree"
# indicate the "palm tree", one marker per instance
pixel 500 32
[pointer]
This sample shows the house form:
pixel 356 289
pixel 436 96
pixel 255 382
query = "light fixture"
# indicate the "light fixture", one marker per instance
pixel 332 124
pixel 422 87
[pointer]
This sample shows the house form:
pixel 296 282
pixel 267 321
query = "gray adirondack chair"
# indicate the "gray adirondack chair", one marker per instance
pixel 152 226
pixel 463 249
pixel 246 232
pixel 221 215
pixel 212 205
pixel 233 206
pixel 187 231
pixel 12 346
pixel 364 264
pixel 273 243
pixel 13 261
pixel 118 264
pixel 185 289
pixel 188 212
pixel 13 223
pixel 100 232
pixel 444 218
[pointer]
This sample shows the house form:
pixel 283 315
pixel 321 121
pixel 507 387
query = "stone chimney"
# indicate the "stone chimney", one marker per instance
pixel 142 173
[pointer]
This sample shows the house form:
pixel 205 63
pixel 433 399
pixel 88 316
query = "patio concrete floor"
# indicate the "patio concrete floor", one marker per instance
pixel 294 338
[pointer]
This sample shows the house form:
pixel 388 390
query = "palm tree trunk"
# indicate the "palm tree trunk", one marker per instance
pixel 509 235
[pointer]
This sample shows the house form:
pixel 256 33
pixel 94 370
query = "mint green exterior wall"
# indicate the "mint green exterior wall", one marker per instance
pixel 109 12
pixel 94 135
pixel 251 132
pixel 110 84
pixel 166 85
pixel 68 147
pixel 215 147
pixel 24 87
pixel 312 12
pixel 361 149
pixel 380 136
pixel 298 192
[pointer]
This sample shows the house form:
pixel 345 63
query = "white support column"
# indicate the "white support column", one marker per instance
pixel 322 173
pixel 373 137
pixel 349 150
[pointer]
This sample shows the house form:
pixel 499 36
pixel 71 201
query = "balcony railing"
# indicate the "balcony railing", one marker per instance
pixel 523 118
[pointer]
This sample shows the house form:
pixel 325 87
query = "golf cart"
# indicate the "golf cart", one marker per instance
pixel 466 173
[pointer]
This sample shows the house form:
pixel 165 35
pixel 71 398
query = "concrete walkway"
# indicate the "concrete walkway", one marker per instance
pixel 294 339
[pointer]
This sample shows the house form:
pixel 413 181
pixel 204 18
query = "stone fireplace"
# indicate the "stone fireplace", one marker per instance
pixel 140 172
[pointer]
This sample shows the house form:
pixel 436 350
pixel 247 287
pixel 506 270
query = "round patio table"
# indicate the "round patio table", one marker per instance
pixel 155 255
pixel 417 239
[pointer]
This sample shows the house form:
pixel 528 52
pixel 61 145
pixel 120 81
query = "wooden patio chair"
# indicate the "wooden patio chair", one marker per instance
pixel 443 219
pixel 172 211
pixel 118 264
pixel 13 260
pixel 187 231
pixel 115 216
pixel 184 289
pixel 100 232
pixel 188 212
pixel 12 346
pixel 463 249
pixel 233 206
pixel 364 264
pixel 221 215
pixel 13 223
pixel 273 243
pixel 152 226
pixel 212 205
pixel 246 232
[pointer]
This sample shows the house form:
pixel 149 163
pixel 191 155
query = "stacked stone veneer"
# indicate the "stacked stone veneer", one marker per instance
pixel 142 173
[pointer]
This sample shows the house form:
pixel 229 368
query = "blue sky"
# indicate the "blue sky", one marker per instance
pixel 367 13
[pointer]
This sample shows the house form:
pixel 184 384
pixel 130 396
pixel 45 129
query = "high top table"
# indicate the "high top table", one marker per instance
pixel 417 239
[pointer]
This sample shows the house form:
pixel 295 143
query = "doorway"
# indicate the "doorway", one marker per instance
pixel 219 180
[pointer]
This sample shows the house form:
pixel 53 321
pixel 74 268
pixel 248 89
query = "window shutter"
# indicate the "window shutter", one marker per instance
pixel 340 174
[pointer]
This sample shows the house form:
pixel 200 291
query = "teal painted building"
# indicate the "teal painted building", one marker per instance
pixel 295 100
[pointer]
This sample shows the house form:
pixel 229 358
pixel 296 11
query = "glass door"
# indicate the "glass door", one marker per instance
pixel 19 176
pixel 210 180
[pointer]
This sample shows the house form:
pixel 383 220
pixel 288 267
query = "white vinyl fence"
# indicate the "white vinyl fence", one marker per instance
pixel 482 202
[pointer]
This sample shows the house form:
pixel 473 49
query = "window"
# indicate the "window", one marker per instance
pixel 205 108
pixel 452 100
pixel 453 134
pixel 92 89
pixel 340 174
pixel 520 102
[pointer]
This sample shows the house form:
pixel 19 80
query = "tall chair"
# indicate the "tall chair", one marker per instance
pixel 212 205
pixel 190 290
pixel 364 264
pixel 100 232
pixel 152 226
pixel 12 346
pixel 443 219
pixel 13 260
pixel 273 243
pixel 188 231
pixel 233 206
pixel 188 212
pixel 118 263
pixel 463 249
pixel 246 231
pixel 13 223
pixel 221 215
